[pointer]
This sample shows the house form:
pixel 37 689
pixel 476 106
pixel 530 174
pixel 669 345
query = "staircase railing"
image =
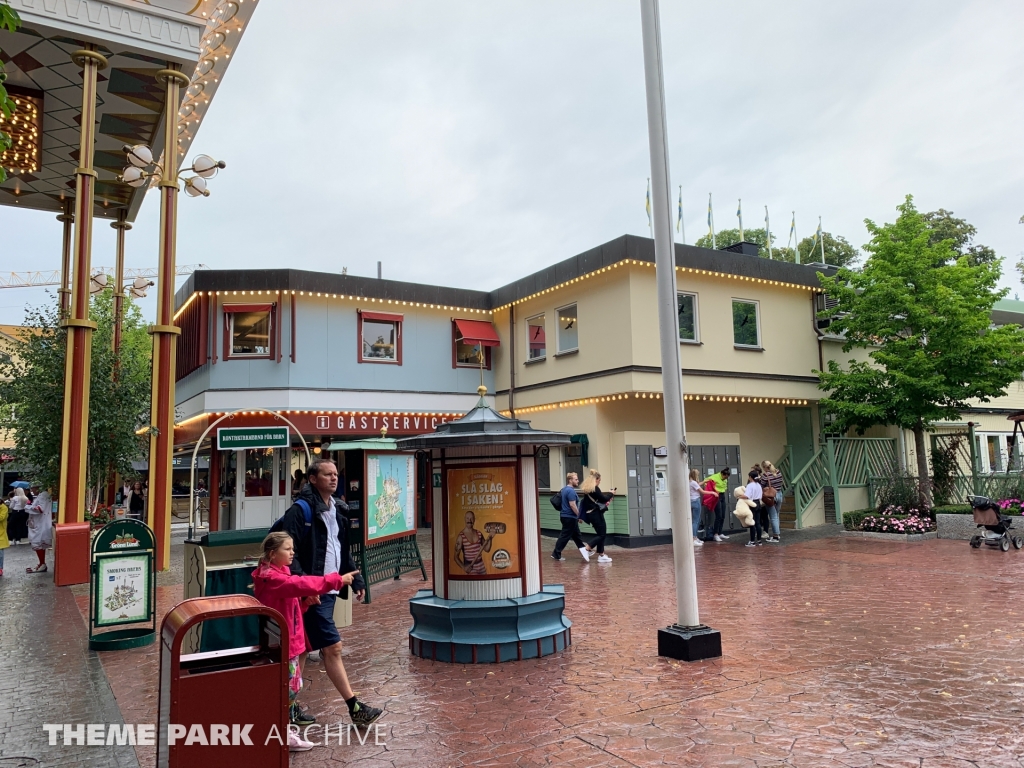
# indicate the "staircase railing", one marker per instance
pixel 808 483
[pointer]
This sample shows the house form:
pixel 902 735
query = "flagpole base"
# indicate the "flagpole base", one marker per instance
pixel 689 643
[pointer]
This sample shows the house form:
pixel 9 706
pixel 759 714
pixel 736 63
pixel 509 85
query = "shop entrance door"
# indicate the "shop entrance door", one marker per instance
pixel 263 491
pixel 800 435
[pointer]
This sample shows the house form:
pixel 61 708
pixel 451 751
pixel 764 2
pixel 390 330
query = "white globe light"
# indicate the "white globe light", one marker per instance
pixel 140 155
pixel 97 283
pixel 205 166
pixel 133 176
pixel 196 186
pixel 140 284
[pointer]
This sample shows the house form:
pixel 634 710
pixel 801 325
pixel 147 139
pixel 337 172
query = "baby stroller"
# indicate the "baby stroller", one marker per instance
pixel 997 525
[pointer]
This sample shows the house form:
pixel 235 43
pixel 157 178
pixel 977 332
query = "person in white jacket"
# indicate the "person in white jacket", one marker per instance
pixel 40 527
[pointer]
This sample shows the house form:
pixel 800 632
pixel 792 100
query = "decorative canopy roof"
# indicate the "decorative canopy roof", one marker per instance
pixel 138 38
pixel 483 426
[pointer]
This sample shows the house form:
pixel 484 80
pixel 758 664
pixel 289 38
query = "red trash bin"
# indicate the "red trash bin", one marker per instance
pixel 72 543
pixel 224 708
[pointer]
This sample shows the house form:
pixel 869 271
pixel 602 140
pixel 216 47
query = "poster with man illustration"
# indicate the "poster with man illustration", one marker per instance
pixel 483 526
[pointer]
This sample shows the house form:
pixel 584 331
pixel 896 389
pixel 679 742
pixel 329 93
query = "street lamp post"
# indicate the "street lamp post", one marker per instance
pixel 687 639
pixel 140 170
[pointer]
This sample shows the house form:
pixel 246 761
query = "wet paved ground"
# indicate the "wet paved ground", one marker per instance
pixel 844 652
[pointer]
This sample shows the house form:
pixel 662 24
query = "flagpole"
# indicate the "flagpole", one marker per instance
pixel 682 224
pixel 796 242
pixel 739 215
pixel 768 232
pixel 650 227
pixel 711 222
pixel 821 236
pixel 687 639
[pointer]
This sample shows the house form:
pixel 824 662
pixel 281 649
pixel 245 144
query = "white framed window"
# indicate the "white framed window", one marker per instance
pixel 689 321
pixel 536 336
pixel 746 323
pixel 568 328
pixel 993 451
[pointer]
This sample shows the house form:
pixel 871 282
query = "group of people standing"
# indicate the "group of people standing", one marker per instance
pixel 764 489
pixel 24 516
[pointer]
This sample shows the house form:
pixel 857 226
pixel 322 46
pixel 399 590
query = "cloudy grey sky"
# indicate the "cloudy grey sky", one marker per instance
pixel 469 143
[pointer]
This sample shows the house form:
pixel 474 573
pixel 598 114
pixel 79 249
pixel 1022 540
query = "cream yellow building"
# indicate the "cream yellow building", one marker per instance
pixel 579 354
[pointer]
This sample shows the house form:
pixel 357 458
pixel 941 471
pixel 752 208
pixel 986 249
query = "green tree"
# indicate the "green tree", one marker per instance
pixel 10 21
pixel 945 226
pixel 838 251
pixel 32 396
pixel 924 314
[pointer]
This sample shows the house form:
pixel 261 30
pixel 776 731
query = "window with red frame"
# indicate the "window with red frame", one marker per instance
pixel 249 331
pixel 380 337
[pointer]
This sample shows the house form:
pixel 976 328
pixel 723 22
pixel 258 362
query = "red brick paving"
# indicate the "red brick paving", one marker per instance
pixel 844 652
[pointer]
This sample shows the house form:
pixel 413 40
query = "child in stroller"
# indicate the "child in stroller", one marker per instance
pixel 997 526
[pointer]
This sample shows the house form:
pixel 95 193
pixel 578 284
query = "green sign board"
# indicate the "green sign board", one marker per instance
pixel 239 438
pixel 122 589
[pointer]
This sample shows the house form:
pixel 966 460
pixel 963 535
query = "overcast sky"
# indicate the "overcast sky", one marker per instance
pixel 470 143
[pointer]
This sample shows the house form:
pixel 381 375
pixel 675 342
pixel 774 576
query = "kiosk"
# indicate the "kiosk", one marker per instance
pixel 489 602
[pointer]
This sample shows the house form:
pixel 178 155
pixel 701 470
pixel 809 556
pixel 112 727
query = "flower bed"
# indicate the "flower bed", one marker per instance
pixel 891 521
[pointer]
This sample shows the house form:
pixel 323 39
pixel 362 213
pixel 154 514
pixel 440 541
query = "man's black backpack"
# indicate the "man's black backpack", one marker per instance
pixel 556 501
pixel 304 506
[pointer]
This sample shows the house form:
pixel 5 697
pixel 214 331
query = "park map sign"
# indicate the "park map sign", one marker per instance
pixel 122 600
pixel 390 496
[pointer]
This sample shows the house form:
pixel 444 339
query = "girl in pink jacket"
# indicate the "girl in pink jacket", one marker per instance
pixel 276 587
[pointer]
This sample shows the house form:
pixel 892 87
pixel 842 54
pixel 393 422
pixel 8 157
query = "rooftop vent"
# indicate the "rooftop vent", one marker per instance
pixel 744 247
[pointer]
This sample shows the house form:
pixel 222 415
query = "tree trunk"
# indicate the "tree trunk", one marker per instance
pixel 923 478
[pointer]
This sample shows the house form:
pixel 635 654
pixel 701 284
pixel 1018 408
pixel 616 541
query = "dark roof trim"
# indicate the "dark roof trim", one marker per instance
pixel 620 249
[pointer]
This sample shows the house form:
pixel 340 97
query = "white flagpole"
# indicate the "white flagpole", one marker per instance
pixel 711 220
pixel 682 223
pixel 739 215
pixel 768 231
pixel 687 639
pixel 796 242
pixel 821 236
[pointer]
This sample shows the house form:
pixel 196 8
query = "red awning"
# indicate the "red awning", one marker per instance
pixel 478 332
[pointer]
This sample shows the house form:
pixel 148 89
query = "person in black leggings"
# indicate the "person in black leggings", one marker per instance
pixel 594 504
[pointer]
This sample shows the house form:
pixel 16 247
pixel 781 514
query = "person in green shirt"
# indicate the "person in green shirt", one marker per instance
pixel 721 481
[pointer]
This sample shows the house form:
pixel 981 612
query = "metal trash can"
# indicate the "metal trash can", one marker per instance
pixel 227 708
pixel 71 542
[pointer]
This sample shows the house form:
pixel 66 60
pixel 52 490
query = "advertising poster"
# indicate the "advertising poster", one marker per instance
pixel 483 525
pixel 390 496
pixel 123 594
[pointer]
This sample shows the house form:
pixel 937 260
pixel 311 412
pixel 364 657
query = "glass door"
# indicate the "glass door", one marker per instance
pixel 261 489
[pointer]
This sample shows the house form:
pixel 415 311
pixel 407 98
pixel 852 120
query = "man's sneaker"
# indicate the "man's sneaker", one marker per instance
pixel 298 744
pixel 300 718
pixel 750 544
pixel 719 537
pixel 586 553
pixel 364 714
pixel 698 543
pixel 557 557
pixel 603 559
pixel 774 539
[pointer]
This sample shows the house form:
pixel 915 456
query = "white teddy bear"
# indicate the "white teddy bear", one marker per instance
pixel 743 507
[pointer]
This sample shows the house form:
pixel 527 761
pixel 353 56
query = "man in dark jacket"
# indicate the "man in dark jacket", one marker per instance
pixel 321 547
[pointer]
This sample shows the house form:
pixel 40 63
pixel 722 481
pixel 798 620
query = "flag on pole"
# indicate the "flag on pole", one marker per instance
pixel 796 244
pixel 817 237
pixel 821 239
pixel 650 226
pixel 768 232
pixel 679 218
pixel 739 215
pixel 711 223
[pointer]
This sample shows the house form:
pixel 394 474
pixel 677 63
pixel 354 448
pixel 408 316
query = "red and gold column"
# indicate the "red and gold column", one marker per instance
pixel 164 332
pixel 64 292
pixel 78 363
